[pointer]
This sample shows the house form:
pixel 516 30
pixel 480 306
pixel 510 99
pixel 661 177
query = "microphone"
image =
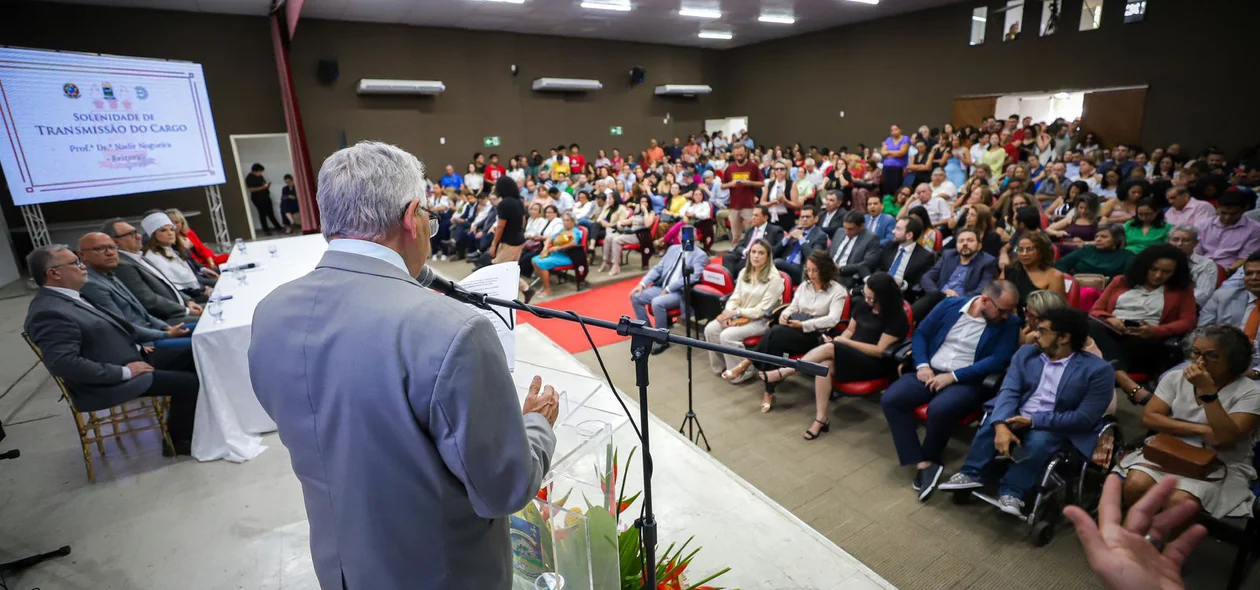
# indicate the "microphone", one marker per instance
pixel 430 280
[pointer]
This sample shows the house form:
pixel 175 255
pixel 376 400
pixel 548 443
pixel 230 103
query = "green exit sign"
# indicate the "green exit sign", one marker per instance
pixel 615 130
pixel 492 141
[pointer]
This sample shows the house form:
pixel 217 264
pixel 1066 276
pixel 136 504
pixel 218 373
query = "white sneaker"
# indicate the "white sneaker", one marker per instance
pixel 1011 505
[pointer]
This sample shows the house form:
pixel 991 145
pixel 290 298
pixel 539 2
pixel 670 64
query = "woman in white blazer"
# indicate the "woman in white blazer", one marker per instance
pixel 758 290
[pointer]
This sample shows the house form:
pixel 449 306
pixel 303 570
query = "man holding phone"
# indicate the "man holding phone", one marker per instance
pixel 1054 395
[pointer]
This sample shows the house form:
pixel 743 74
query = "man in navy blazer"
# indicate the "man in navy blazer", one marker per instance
pixel 962 272
pixel 662 287
pixel 877 222
pixel 791 253
pixel 955 347
pixel 1054 395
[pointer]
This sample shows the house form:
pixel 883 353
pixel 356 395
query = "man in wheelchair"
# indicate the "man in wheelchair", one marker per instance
pixel 1054 395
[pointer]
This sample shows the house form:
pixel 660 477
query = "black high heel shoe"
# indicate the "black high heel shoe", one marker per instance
pixel 826 427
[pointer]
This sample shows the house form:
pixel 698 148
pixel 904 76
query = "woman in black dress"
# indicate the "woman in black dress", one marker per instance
pixel 877 321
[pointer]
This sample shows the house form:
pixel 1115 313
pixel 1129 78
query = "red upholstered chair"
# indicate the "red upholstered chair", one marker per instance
pixel 709 297
pixel 920 413
pixel 1055 247
pixel 580 267
pixel 644 247
pixel 866 388
pixel 752 341
pixel 1073 292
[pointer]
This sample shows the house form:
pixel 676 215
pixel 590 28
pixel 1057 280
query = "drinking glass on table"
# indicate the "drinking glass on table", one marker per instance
pixel 240 245
pixel 215 309
pixel 272 250
pixel 240 276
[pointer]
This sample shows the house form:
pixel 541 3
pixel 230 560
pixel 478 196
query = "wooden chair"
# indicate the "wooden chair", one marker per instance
pixel 116 421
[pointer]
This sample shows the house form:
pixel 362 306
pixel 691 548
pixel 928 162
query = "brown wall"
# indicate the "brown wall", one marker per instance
pixel 482 97
pixel 235 52
pixel 1195 56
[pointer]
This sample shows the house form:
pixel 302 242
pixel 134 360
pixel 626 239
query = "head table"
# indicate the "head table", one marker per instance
pixel 229 418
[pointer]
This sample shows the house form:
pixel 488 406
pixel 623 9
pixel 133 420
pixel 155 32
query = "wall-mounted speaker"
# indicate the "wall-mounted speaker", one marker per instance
pixel 636 75
pixel 326 71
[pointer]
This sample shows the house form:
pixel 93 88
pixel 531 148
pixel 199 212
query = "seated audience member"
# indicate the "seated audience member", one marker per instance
pixel 797 246
pixel 98 354
pixel 1229 238
pixel 1147 228
pixel 1053 396
pixel 931 240
pixel 1141 311
pixel 937 208
pixel 979 218
pixel 941 187
pixel 104 291
pixel 1184 209
pixel 555 251
pixel 831 218
pixel 876 322
pixel 758 289
pixel 904 259
pixel 955 347
pixel 1124 207
pixel 1055 185
pixel 816 308
pixel 1210 403
pixel 962 272
pixel 614 212
pixel 893 204
pixel 1107 256
pixel 188 240
pixel 855 250
pixel 1112 187
pixel 1066 204
pixel 537 231
pixel 1203 271
pixel 159 295
pixel 1235 305
pixel 639 217
pixel 441 204
pixel 585 210
pixel 877 222
pixel 1078 227
pixel 759 228
pixel 662 287
pixel 465 232
pixel 1033 268
pixel 696 210
pixel 159 251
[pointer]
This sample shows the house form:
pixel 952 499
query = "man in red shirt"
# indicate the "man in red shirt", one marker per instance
pixel 742 178
pixel 577 162
pixel 494 170
pixel 1011 145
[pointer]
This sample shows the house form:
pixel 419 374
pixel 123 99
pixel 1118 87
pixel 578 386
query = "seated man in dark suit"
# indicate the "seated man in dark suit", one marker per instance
pixel 97 353
pixel 106 292
pixel 903 258
pixel 761 229
pixel 790 253
pixel 831 218
pixel 955 347
pixel 662 287
pixel 877 222
pixel 961 272
pixel 854 250
pixel 156 293
pixel 1054 395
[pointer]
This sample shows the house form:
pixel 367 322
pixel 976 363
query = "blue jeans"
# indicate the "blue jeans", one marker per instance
pixel 182 342
pixel 1019 477
pixel 661 304
pixel 945 409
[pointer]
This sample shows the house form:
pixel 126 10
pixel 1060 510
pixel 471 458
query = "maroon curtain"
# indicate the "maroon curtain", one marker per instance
pixel 303 177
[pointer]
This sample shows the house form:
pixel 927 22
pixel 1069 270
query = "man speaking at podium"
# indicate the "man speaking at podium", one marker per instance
pixel 395 402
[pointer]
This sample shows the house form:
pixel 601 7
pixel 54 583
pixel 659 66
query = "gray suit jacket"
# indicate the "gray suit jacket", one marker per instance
pixel 156 296
pixel 696 261
pixel 86 347
pixel 403 426
pixel 863 255
pixel 113 297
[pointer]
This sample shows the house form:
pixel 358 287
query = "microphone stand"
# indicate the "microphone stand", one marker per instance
pixel 690 420
pixel 642 337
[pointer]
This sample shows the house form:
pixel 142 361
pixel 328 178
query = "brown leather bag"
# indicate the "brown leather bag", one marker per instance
pixel 1177 457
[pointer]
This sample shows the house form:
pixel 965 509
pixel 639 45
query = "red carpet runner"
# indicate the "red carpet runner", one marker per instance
pixel 609 302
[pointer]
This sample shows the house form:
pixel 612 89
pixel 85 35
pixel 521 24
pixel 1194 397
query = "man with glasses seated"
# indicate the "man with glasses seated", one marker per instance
pixel 97 353
pixel 955 347
pixel 1054 395
pixel 105 291
pixel 1239 306
pixel 159 296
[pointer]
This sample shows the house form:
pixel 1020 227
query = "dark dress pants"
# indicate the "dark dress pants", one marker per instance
pixel 262 202
pixel 945 409
pixel 175 375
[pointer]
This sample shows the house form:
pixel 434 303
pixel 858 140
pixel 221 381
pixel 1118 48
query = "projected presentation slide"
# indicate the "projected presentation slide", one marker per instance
pixel 78 126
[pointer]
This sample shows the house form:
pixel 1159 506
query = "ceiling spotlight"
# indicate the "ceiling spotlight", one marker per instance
pixel 724 35
pixel 980 19
pixel 1063 96
pixel 618 6
pixel 777 19
pixel 700 12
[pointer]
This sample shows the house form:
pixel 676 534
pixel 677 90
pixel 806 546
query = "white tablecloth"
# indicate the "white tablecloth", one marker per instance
pixel 229 417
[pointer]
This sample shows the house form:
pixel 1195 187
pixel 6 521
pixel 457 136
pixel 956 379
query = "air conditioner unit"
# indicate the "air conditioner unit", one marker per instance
pixel 367 86
pixel 683 90
pixel 566 85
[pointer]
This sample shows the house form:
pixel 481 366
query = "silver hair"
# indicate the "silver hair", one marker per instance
pixel 1189 229
pixel 365 188
pixel 40 260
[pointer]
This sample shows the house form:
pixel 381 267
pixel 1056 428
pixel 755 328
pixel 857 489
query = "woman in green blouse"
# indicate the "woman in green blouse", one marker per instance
pixel 1147 227
pixel 1107 256
pixel 894 203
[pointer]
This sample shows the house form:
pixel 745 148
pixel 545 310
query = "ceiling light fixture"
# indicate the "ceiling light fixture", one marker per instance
pixel 871 2
pixel 1063 96
pixel 777 19
pixel 618 6
pixel 980 19
pixel 724 35
pixel 506 1
pixel 700 12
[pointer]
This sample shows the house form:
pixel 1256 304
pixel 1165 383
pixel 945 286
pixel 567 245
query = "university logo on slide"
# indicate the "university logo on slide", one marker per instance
pixel 70 90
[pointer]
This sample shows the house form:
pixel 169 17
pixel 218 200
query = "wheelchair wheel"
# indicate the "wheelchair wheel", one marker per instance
pixel 1043 533
pixel 962 497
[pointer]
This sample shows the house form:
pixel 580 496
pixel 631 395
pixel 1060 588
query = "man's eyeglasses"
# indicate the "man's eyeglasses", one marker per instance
pixel 433 217
pixel 127 235
pixel 75 262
